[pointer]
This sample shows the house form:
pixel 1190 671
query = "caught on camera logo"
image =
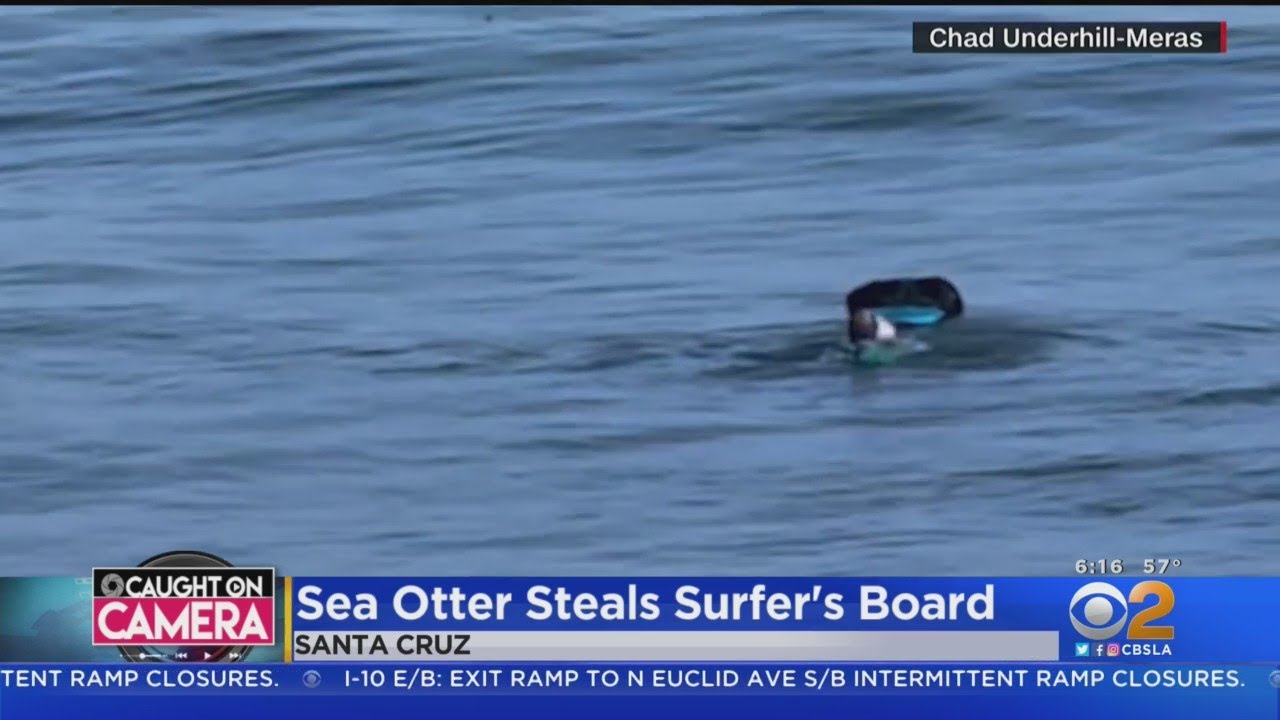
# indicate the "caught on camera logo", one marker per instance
pixel 1100 611
pixel 184 606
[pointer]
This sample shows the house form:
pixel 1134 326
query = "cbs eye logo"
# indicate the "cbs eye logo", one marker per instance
pixel 1099 610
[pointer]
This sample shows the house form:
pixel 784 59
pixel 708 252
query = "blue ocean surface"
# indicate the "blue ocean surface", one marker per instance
pixel 556 290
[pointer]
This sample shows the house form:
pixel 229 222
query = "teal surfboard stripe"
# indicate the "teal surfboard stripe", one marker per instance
pixel 911 315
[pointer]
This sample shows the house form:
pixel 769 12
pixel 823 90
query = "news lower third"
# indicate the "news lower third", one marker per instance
pixel 237 615
pixel 238 637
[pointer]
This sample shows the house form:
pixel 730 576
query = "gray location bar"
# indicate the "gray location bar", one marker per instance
pixel 681 646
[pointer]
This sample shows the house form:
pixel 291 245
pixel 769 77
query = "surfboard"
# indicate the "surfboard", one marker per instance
pixel 908 301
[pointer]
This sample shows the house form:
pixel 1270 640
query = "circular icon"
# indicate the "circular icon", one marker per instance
pixel 1275 679
pixel 1098 610
pixel 311 678
pixel 193 559
pixel 112 586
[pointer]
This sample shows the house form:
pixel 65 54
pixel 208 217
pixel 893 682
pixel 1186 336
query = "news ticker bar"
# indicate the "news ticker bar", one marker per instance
pixel 556 678
pixel 1069 37
pixel 647 692
pixel 680 646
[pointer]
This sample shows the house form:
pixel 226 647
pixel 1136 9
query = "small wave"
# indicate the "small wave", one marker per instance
pixel 1255 395
pixel 1218 327
pixel 76 273
pixel 1088 467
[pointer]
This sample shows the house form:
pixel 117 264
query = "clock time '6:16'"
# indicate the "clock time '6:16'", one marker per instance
pixel 1100 567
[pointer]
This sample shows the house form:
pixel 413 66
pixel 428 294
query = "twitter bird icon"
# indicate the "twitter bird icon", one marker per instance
pixel 1082 649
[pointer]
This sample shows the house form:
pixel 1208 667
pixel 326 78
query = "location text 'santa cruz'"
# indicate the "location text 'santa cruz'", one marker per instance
pixel 1069 37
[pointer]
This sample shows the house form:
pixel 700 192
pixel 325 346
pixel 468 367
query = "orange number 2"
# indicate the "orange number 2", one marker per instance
pixel 1138 628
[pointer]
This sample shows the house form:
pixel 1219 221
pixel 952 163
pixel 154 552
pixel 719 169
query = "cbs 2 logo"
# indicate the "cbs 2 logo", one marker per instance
pixel 1098 611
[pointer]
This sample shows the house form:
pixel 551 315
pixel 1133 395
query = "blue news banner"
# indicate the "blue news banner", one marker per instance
pixel 1102 646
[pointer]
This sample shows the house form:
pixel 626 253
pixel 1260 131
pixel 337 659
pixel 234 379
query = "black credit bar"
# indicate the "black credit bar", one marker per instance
pixel 1069 37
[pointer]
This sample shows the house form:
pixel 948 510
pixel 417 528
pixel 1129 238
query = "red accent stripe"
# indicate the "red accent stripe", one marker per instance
pixel 1222 38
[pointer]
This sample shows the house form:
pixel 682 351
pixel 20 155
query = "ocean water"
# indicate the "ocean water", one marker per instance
pixel 558 291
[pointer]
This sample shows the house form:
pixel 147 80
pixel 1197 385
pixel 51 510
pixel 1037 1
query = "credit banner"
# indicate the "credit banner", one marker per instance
pixel 631 690
pixel 1114 619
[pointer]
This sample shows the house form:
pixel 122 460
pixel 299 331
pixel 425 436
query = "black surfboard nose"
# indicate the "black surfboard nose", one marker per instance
pixel 933 291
